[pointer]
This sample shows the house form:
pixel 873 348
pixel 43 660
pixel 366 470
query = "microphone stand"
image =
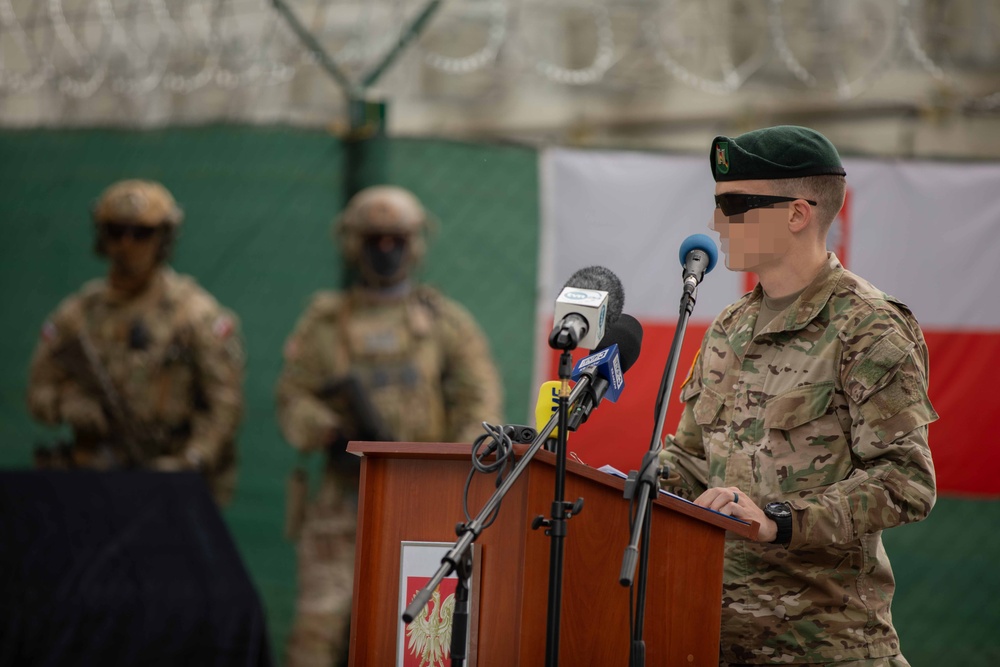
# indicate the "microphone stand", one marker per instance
pixel 561 512
pixel 469 532
pixel 643 486
pixel 460 618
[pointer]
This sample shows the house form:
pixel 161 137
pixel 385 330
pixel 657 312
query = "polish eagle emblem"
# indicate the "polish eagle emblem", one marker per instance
pixel 429 634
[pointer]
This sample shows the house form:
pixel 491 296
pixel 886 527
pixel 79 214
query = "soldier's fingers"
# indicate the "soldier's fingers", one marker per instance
pixel 722 500
pixel 706 498
pixel 717 498
pixel 728 501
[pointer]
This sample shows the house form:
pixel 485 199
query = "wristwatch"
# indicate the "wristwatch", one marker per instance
pixel 781 514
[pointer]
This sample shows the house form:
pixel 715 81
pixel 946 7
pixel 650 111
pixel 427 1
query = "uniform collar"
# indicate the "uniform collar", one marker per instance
pixel 801 312
pixel 363 295
pixel 814 298
pixel 155 287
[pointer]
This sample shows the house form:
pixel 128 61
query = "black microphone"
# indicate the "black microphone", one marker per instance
pixel 606 366
pixel 698 256
pixel 590 300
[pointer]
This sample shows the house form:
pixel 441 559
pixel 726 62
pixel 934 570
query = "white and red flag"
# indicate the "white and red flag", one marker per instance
pixel 927 233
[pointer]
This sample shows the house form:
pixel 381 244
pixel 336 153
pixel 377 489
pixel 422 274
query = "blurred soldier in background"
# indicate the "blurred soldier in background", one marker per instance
pixel 144 366
pixel 388 359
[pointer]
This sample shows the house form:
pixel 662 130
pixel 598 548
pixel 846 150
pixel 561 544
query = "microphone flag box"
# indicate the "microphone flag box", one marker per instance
pixel 589 304
pixel 608 365
pixel 547 405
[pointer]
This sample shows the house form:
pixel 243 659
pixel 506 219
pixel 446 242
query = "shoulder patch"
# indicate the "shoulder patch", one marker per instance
pixel 692 385
pixel 50 332
pixel 694 362
pixel 223 327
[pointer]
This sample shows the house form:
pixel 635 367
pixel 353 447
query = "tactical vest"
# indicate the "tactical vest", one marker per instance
pixel 392 349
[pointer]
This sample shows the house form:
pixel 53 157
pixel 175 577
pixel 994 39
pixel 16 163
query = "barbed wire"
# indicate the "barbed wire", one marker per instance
pixel 837 45
pixel 679 46
pixel 76 48
pixel 495 14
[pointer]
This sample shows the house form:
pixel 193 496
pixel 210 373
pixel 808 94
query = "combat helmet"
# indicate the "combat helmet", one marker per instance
pixel 382 211
pixel 141 203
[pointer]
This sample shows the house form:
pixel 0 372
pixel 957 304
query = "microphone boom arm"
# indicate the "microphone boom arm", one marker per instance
pixel 468 533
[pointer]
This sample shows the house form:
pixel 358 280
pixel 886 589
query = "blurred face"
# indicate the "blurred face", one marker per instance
pixel 752 238
pixel 383 259
pixel 133 250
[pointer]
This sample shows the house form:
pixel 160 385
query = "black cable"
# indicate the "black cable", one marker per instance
pixel 499 442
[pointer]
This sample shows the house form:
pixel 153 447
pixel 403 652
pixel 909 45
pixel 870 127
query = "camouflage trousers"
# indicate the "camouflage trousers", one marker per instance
pixel 320 632
pixel 890 661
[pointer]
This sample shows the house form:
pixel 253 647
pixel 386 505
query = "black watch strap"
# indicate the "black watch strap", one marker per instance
pixel 784 530
pixel 781 514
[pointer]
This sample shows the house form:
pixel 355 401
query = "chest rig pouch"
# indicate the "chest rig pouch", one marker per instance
pixel 394 354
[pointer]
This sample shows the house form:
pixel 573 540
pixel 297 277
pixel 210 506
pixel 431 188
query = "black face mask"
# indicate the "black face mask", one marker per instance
pixel 385 256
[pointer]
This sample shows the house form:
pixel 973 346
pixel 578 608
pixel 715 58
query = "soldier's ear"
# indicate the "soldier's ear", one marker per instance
pixel 168 237
pixel 800 215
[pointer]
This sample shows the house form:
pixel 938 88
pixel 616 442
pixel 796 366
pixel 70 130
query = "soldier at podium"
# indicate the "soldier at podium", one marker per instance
pixel 806 411
pixel 386 359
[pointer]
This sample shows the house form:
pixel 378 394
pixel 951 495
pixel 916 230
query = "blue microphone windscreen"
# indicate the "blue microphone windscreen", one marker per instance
pixel 700 242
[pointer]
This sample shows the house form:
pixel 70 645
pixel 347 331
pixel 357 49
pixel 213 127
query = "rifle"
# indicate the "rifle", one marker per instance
pixel 370 425
pixel 79 355
pixel 58 456
pixel 349 396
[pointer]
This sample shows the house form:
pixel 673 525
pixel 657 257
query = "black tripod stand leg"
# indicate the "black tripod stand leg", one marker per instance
pixel 460 619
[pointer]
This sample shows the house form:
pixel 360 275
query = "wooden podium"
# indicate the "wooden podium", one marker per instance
pixel 413 491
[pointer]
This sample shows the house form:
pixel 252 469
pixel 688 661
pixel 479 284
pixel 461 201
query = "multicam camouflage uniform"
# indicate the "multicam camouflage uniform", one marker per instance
pixel 825 409
pixel 171 359
pixel 425 367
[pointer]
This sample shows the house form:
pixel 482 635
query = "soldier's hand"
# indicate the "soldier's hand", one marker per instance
pixel 332 438
pixel 731 501
pixel 309 425
pixel 83 414
pixel 170 464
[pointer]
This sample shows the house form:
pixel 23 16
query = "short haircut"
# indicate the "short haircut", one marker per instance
pixel 827 191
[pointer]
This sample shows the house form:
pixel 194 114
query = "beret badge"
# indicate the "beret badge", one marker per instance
pixel 722 157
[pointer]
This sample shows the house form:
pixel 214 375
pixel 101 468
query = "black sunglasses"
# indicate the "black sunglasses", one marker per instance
pixel 117 231
pixel 734 203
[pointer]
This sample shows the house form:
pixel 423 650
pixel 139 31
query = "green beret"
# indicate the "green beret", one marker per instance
pixel 785 151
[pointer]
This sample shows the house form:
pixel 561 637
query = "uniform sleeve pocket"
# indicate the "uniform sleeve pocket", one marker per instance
pixel 798 406
pixel 875 369
pixel 707 407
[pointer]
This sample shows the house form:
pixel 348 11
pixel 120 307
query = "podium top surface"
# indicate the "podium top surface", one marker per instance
pixel 459 451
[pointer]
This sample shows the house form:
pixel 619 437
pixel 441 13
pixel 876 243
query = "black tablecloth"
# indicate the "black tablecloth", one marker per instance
pixel 122 568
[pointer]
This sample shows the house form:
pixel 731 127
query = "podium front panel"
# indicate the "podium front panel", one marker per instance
pixel 414 493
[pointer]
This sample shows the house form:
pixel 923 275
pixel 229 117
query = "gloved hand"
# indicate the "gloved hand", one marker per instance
pixel 84 414
pixel 311 426
pixel 170 464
